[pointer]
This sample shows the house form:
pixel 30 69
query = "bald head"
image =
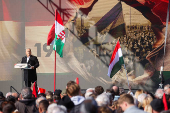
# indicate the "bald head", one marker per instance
pixel 28 52
pixel 116 90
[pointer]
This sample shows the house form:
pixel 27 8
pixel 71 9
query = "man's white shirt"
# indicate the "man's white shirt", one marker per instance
pixel 28 58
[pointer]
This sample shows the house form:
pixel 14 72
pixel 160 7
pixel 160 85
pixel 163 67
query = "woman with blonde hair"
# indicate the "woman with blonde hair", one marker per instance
pixel 138 92
pixel 147 101
pixel 148 109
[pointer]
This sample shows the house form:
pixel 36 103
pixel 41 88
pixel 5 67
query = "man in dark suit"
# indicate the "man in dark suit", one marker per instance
pixel 30 75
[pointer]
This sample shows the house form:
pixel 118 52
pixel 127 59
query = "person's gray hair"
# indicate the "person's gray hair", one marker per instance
pixel 90 90
pixel 26 93
pixel 54 108
pixel 141 97
pixel 87 94
pixel 8 94
pixel 166 87
pixel 38 101
pixel 159 93
pixel 103 100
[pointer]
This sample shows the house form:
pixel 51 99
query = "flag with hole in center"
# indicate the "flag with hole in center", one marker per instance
pixel 116 61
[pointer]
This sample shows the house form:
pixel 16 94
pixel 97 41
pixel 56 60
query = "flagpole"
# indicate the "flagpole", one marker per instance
pixel 127 77
pixel 55 69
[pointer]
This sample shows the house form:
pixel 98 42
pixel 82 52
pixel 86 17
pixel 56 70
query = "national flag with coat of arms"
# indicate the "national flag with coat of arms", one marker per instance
pixel 56 36
pixel 116 61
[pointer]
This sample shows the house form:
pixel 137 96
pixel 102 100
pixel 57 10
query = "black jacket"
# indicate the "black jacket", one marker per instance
pixel 26 106
pixel 30 74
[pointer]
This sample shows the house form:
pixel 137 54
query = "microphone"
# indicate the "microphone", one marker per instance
pixel 18 62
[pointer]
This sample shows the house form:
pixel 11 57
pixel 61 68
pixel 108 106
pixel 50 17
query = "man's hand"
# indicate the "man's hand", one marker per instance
pixel 32 67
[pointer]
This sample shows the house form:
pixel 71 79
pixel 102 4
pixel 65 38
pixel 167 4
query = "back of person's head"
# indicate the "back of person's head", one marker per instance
pixel 159 93
pixel 126 98
pixel 147 101
pixel 9 108
pixel 38 101
pixel 99 90
pixel 87 94
pixel 66 101
pixel 26 93
pixel 89 106
pixel 157 105
pixel 73 90
pixel 56 98
pixel 57 92
pixel 54 108
pixel 116 90
pixel 141 97
pixel 41 95
pixel 107 90
pixel 104 109
pixel 11 98
pixel 90 90
pixel 8 94
pixel 93 95
pixel 166 89
pixel 49 96
pixel 15 95
pixel 138 92
pixel 43 105
pixel 148 109
pixel 103 100
pixel 49 93
pixel 69 83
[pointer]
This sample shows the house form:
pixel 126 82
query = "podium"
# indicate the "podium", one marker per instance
pixel 22 66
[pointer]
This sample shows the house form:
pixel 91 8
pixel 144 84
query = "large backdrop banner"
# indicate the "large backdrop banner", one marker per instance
pixel 92 28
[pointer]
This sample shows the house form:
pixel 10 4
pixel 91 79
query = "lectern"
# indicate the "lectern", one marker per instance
pixel 23 66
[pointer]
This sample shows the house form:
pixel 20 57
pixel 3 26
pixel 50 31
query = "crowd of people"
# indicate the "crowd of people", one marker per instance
pixel 139 39
pixel 94 100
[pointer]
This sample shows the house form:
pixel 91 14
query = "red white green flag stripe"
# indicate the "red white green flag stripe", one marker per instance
pixel 116 61
pixel 58 39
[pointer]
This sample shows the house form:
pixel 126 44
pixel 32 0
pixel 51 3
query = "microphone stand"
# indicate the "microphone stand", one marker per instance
pixel 161 77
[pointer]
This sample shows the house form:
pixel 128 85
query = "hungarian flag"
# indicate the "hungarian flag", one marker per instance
pixel 56 36
pixel 116 61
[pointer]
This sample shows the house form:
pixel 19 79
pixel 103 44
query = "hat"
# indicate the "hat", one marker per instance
pixel 66 101
pixel 157 105
pixel 57 92
pixel 1 95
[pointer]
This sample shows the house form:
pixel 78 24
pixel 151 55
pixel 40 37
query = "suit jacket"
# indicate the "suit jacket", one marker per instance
pixel 134 109
pixel 30 74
